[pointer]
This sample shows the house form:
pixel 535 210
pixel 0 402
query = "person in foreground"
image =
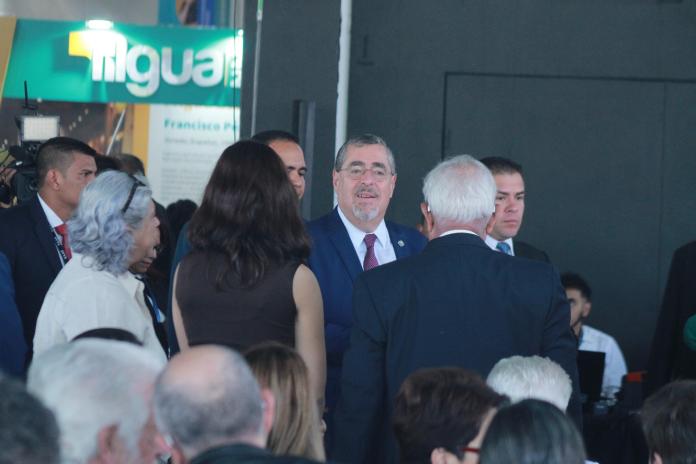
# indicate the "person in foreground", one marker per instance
pixel 441 416
pixel 114 227
pixel 532 432
pixel 669 423
pixel 28 430
pixel 296 429
pixel 244 282
pixel 211 410
pixel 458 303
pixel 101 394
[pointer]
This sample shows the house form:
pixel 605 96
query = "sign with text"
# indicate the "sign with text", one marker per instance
pixel 125 63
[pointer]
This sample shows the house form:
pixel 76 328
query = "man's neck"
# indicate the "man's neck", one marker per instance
pixel 62 211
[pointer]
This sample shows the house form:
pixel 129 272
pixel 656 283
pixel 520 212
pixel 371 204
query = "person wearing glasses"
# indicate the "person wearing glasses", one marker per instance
pixel 33 236
pixel 113 228
pixel 441 416
pixel 355 237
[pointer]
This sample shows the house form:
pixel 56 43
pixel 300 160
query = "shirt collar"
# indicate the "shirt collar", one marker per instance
pixel 130 283
pixel 458 231
pixel 493 243
pixel 357 236
pixel 53 219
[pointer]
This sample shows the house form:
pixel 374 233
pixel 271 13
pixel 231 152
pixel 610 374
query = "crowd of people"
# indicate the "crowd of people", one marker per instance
pixel 239 332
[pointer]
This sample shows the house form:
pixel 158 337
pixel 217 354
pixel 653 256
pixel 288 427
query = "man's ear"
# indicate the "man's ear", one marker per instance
pixel 655 459
pixel 268 410
pixel 54 179
pixel 107 445
pixel 491 223
pixel 428 221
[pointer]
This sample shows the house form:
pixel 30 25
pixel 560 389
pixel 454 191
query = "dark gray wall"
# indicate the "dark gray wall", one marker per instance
pixel 299 61
pixel 596 99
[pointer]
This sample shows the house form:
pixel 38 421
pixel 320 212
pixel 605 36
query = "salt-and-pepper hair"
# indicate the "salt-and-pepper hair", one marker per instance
pixel 460 190
pixel 535 377
pixel 227 409
pixel 99 229
pixel 361 141
pixel 91 384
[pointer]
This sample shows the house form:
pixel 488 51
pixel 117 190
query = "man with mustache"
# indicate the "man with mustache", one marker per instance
pixel 355 237
pixel 509 210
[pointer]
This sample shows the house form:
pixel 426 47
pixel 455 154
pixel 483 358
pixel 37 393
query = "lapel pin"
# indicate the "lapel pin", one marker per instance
pixel 400 243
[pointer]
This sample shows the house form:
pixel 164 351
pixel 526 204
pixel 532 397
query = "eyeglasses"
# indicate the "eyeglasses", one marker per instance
pixel 357 171
pixel 136 184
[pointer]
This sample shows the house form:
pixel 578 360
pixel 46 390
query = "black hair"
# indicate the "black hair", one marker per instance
pixel 57 153
pixel 269 136
pixel 532 432
pixel 500 165
pixel 571 280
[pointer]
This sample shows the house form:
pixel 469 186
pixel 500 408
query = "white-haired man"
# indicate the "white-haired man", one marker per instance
pixel 458 303
pixel 522 377
pixel 101 394
pixel 211 410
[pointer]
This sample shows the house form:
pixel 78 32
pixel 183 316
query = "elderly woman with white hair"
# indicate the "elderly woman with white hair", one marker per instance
pixel 113 227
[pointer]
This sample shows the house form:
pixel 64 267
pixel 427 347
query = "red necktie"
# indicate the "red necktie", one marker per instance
pixel 370 260
pixel 63 232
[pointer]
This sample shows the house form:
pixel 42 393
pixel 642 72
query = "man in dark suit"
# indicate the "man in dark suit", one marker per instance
pixel 670 358
pixel 211 410
pixel 458 303
pixel 355 236
pixel 33 236
pixel 509 210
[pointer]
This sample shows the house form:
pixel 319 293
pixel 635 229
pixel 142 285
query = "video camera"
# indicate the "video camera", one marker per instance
pixel 34 129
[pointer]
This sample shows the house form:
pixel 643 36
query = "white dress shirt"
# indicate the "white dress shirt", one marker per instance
pixel 592 339
pixel 53 220
pixel 384 250
pixel 83 298
pixel 493 243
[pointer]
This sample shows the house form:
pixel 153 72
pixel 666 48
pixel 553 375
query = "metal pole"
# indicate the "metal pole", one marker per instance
pixel 257 58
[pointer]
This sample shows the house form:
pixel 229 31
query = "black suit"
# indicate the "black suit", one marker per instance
pixel 245 454
pixel 458 303
pixel 525 250
pixel 27 242
pixel 670 358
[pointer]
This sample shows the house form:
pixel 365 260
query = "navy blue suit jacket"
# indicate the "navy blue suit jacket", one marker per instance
pixel 336 266
pixel 13 348
pixel 458 303
pixel 26 241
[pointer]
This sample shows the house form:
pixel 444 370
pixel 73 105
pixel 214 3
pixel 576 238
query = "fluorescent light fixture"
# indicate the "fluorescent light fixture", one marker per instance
pixel 100 24
pixel 39 128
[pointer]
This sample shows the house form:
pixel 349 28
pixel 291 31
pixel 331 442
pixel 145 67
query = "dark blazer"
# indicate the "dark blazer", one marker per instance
pixel 458 303
pixel 336 266
pixel 670 358
pixel 27 242
pixel 13 348
pixel 245 454
pixel 525 250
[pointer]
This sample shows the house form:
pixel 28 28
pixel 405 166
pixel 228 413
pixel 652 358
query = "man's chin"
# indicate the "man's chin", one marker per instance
pixel 365 215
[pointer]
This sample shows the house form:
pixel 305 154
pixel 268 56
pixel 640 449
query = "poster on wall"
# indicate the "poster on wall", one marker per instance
pixel 189 140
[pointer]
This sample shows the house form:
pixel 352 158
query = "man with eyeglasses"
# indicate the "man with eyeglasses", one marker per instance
pixel 355 237
pixel 33 236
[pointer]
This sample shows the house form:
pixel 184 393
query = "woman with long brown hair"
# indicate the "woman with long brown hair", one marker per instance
pixel 244 281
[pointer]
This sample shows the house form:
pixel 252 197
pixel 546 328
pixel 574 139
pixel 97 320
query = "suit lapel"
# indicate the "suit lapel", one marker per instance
pixel 43 235
pixel 340 240
pixel 399 242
